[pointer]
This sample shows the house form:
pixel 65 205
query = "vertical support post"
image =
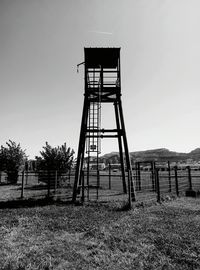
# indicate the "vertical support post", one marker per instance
pixel 169 177
pixel 120 147
pixel 109 167
pixel 81 147
pixel 22 190
pixel 126 149
pixel 189 177
pixel 83 186
pixel 157 184
pixel 176 180
pixel 123 133
pixel 129 190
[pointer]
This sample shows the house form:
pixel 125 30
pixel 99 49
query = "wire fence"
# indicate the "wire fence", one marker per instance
pixel 153 185
pixel 34 185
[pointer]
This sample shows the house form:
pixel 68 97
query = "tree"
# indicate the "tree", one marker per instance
pixel 12 158
pixel 58 158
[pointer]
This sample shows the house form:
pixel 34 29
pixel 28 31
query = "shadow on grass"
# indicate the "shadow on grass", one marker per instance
pixel 118 206
pixel 37 187
pixel 9 184
pixel 21 203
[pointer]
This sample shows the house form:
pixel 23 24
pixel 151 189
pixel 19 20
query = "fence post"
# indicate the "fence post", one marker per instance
pixel 26 177
pixel 88 185
pixel 49 185
pixel 109 176
pixel 138 176
pixel 176 180
pixel 155 168
pixel 69 175
pixel 129 191
pixel 22 190
pixel 157 184
pixel 83 186
pixel 153 180
pixel 189 177
pixel 56 181
pixel 153 175
pixel 169 177
pixel 97 184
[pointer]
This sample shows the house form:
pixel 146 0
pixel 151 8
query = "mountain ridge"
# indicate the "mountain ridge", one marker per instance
pixel 158 154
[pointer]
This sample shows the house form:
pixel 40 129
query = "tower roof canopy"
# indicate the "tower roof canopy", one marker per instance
pixel 105 57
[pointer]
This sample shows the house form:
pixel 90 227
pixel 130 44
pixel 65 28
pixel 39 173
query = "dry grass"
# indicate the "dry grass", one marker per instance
pixel 97 236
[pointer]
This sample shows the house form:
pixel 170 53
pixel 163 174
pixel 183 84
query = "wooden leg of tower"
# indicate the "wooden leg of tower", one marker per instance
pixel 81 150
pixel 129 168
pixel 120 148
pixel 77 180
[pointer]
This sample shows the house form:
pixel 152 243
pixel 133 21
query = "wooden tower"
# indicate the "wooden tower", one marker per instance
pixel 102 85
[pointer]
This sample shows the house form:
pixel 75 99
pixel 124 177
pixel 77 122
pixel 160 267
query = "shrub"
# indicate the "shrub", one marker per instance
pixel 12 158
pixel 58 158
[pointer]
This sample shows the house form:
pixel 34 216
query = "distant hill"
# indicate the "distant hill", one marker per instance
pixel 161 154
pixel 110 155
pixel 195 154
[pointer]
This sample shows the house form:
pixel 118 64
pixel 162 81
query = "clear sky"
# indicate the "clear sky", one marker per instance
pixel 42 41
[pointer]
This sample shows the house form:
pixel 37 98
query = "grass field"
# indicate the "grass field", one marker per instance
pixel 97 236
